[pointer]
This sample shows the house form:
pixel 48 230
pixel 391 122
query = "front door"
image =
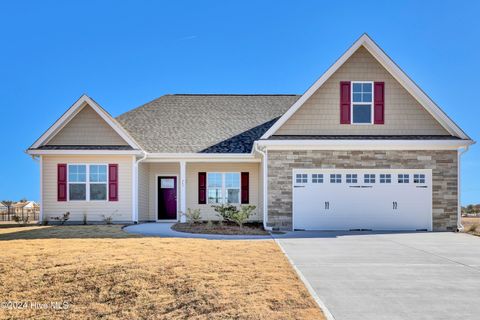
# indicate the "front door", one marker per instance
pixel 167 198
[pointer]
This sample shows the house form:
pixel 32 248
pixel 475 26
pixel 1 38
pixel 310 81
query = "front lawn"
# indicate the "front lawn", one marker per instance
pixel 103 272
pixel 471 225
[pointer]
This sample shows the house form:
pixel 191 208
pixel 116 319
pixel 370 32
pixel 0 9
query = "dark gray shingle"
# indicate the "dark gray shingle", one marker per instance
pixel 204 123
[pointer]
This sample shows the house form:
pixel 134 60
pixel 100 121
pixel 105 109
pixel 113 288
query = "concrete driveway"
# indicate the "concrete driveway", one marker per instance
pixel 391 275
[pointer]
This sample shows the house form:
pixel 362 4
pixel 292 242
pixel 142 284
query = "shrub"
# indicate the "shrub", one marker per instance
pixel 107 219
pixel 21 220
pixel 209 224
pixel 193 216
pixel 473 228
pixel 226 211
pixel 241 216
pixel 63 218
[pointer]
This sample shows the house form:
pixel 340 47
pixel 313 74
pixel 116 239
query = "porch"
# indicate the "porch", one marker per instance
pixel 166 186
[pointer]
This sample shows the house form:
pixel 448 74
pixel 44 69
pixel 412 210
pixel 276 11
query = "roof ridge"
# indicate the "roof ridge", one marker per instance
pixel 234 94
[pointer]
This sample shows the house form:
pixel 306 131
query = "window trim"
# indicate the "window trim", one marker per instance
pixel 224 188
pixel 87 181
pixel 361 103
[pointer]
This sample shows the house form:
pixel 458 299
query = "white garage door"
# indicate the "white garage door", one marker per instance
pixel 344 199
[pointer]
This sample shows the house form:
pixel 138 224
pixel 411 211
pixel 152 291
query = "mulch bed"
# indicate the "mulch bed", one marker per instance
pixel 223 228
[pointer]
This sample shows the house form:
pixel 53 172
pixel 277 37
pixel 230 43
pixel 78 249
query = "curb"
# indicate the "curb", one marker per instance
pixel 328 315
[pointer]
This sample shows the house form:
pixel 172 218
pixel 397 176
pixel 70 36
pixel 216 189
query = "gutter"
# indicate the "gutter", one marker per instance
pixel 136 183
pixel 265 185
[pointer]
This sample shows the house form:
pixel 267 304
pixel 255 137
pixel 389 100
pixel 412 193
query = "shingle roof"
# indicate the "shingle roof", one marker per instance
pixel 83 147
pixel 204 123
pixel 363 137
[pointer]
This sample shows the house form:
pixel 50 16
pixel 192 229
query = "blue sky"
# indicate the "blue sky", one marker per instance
pixel 126 53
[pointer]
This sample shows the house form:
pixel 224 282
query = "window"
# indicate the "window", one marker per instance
pixel 369 178
pixel 98 182
pixel 317 178
pixel 418 178
pixel 403 178
pixel 335 178
pixel 385 178
pixel 351 178
pixel 77 182
pixel 87 182
pixel 223 187
pixel 214 186
pixel 301 178
pixel 362 101
pixel 232 187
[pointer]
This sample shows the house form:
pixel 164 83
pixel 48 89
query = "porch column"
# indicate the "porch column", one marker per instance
pixel 183 191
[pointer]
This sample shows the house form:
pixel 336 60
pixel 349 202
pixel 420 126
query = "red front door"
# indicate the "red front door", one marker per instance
pixel 167 198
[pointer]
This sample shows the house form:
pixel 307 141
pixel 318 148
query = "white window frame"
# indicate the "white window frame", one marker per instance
pixel 369 178
pixel 301 178
pixel 361 103
pixel 224 189
pixel 387 178
pixel 87 181
pixel 317 177
pixel 351 177
pixel 419 178
pixel 335 178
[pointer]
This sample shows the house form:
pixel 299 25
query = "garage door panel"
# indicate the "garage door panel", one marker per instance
pixel 395 202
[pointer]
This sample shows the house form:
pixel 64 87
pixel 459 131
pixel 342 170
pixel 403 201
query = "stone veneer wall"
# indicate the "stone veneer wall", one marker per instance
pixel 442 163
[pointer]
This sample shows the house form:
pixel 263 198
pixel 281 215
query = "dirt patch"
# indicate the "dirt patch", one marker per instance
pixel 224 228
pixel 104 272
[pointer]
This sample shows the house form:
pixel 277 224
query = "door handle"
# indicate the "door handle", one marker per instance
pixel 327 205
pixel 394 205
pixel 299 186
pixel 422 186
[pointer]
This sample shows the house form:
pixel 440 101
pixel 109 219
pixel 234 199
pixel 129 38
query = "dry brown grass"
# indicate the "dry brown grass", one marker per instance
pixel 103 272
pixel 471 225
pixel 229 229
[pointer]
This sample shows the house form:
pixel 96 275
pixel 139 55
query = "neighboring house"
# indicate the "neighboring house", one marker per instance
pixel 363 148
pixel 25 207
pixel 3 207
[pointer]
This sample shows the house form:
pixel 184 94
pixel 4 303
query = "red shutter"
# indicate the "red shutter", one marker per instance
pixel 113 182
pixel 202 187
pixel 345 102
pixel 245 186
pixel 379 103
pixel 61 182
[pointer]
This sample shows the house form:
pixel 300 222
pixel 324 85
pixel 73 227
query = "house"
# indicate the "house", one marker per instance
pixel 24 207
pixel 3 207
pixel 363 148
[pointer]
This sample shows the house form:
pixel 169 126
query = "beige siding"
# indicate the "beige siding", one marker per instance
pixel 206 209
pixel 320 115
pixel 155 170
pixel 87 128
pixel 143 191
pixel 121 210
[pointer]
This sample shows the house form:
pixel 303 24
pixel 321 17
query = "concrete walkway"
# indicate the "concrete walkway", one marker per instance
pixel 389 276
pixel 164 230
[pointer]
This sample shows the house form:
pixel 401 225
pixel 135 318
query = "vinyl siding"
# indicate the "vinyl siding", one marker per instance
pixel 121 210
pixel 320 115
pixel 143 191
pixel 87 128
pixel 206 210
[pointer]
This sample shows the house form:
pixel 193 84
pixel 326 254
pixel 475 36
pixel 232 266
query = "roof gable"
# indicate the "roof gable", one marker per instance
pixel 393 69
pixel 84 110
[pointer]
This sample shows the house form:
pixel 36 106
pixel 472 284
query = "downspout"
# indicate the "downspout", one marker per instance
pixel 136 183
pixel 459 205
pixel 265 185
